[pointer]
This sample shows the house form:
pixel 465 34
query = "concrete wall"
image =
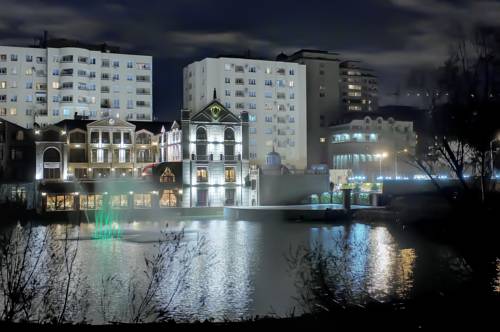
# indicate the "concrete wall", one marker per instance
pixel 290 189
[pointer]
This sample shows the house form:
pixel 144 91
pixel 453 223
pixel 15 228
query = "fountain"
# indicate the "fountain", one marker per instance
pixel 106 226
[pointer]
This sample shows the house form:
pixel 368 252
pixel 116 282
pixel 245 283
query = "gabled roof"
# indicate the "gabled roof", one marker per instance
pixel 111 122
pixel 154 126
pixel 215 112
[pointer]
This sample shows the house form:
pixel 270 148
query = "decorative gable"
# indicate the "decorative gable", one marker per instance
pixel 215 112
pixel 111 122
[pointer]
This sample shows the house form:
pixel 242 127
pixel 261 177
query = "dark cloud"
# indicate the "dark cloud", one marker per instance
pixel 391 36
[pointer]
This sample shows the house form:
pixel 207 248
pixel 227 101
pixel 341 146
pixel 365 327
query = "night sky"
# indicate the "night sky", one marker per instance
pixel 391 36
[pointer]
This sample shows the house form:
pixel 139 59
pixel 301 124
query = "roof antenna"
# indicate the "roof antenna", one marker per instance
pixel 215 94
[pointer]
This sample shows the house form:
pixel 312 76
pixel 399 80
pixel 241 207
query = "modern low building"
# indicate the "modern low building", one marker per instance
pixel 60 79
pixel 273 93
pixel 215 156
pixel 371 148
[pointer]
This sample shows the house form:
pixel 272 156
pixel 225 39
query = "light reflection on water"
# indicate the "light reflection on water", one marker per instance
pixel 248 274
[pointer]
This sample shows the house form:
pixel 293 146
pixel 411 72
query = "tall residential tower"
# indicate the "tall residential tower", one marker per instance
pixel 60 79
pixel 272 92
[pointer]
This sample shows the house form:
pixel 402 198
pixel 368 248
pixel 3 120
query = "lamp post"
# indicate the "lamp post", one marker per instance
pixel 380 156
pixel 492 164
pixel 396 161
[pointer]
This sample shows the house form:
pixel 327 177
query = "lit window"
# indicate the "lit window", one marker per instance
pixel 230 174
pixel 201 174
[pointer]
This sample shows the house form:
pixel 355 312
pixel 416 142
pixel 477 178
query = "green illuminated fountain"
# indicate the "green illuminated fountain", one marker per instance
pixel 106 226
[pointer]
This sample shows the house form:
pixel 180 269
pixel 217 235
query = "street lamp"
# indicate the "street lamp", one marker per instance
pixel 396 161
pixel 380 156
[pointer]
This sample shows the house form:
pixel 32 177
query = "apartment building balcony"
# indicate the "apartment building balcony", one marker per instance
pixel 42 112
pixel 142 104
pixel 200 157
pixel 230 158
pixel 143 117
pixel 143 92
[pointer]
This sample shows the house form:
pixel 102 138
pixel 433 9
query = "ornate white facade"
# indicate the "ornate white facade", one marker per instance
pixel 215 157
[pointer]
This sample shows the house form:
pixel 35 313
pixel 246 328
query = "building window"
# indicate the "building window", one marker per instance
pixel 229 134
pixel 51 164
pixel 202 197
pixel 142 201
pixel 60 202
pixel 167 176
pixel 201 134
pixel 230 196
pixel 168 199
pixel 119 201
pixel 90 202
pixel 202 175
pixel 230 174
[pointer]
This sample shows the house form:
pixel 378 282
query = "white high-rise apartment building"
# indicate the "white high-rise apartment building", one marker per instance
pixel 272 92
pixel 45 85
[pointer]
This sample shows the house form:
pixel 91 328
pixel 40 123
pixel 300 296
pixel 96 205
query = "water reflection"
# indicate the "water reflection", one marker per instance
pixel 244 272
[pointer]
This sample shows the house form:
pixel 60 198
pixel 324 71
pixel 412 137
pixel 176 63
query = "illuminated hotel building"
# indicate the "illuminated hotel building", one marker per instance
pixel 372 147
pixel 59 79
pixel 215 157
pixel 81 165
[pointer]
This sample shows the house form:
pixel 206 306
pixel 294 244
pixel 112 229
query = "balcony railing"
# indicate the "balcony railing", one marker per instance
pixel 201 157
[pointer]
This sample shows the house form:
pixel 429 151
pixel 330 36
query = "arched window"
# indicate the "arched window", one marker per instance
pixel 51 155
pixel 201 134
pixel 20 135
pixel 167 176
pixel 51 164
pixel 229 134
pixel 77 137
pixel 52 136
pixel 143 138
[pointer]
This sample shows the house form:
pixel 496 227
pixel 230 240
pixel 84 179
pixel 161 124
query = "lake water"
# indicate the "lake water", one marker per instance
pixel 245 271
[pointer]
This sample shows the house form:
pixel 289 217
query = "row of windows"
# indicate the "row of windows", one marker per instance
pixel 267 94
pixel 251 81
pixel 202 174
pixel 281 143
pixel 270 131
pixel 15 58
pixel 253 69
pixel 80 59
pixel 65 202
pixel 253 106
pixel 119 155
